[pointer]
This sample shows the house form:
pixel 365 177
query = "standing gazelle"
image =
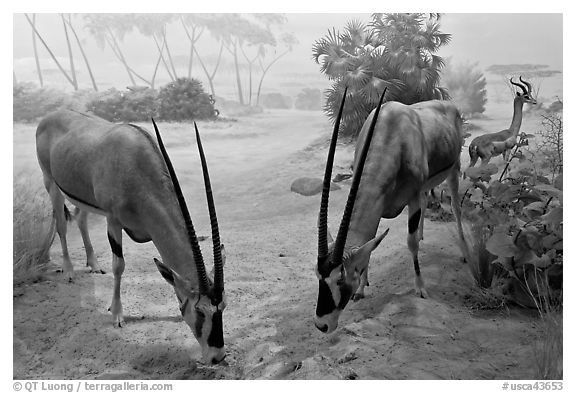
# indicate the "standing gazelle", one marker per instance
pixel 120 172
pixel 402 151
pixel 493 144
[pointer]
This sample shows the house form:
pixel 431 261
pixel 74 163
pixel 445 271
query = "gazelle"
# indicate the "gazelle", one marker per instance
pixel 120 172
pixel 490 145
pixel 402 151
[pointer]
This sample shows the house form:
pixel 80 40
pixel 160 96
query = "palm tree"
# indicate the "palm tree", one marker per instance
pixel 396 51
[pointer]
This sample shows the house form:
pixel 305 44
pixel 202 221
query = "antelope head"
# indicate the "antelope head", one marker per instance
pixel 338 268
pixel 526 94
pixel 201 304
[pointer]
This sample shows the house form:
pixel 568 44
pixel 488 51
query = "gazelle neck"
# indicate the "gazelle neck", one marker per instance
pixel 365 217
pixel 168 233
pixel 517 117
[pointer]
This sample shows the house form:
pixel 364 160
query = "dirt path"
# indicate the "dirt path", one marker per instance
pixel 63 331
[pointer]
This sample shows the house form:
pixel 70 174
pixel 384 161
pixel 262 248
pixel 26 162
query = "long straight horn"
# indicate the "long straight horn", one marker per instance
pixel 196 252
pixel 343 230
pixel 218 265
pixel 519 85
pixel 528 85
pixel 323 215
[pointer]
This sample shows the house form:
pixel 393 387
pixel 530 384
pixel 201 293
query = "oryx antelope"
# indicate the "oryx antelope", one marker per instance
pixel 490 145
pixel 119 171
pixel 402 151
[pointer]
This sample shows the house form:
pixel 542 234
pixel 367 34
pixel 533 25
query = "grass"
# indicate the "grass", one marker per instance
pixel 32 230
pixel 548 350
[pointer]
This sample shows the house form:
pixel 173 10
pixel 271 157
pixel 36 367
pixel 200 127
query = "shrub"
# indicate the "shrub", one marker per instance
pixel 276 101
pixel 522 214
pixel 31 103
pixel 33 229
pixel 185 99
pixel 467 87
pixel 125 106
pixel 309 99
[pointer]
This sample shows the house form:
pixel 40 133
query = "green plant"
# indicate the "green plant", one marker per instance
pixel 521 214
pixel 467 87
pixel 185 99
pixel 125 106
pixel 30 103
pixel 276 101
pixel 396 51
pixel 309 99
pixel 551 144
pixel 33 229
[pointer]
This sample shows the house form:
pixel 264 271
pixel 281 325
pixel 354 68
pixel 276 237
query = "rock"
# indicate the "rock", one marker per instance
pixel 309 186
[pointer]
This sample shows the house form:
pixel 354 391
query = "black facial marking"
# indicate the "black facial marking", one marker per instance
pixel 325 304
pixel 345 294
pixel 199 323
pixel 116 248
pixel 414 221
pixel 216 337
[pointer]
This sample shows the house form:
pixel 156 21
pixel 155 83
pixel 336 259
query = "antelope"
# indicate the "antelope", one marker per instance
pixel 490 145
pixel 117 170
pixel 402 151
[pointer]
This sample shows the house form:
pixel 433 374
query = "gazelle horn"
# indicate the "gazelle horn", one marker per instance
pixel 519 85
pixel 196 252
pixel 527 84
pixel 218 264
pixel 343 230
pixel 323 215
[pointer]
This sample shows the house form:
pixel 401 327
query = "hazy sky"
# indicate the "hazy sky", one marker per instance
pixel 484 38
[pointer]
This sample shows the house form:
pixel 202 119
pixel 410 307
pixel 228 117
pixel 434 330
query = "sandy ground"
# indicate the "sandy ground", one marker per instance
pixel 63 330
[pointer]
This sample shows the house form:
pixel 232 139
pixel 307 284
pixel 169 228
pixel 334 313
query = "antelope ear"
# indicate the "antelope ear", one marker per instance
pixel 165 271
pixel 362 255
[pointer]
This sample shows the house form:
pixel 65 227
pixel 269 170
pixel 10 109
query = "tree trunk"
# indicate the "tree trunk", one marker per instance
pixel 238 81
pixel 264 72
pixel 169 54
pixel 70 54
pixel 92 79
pixel 118 52
pixel 161 51
pixel 38 69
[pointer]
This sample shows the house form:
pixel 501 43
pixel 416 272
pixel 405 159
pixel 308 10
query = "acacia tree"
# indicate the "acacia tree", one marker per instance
pixel 69 78
pixel 35 48
pixel 395 51
pixel 288 41
pixel 110 30
pixel 235 32
pixel 154 26
pixel 68 22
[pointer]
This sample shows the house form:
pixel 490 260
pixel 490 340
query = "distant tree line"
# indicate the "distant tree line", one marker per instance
pixel 254 42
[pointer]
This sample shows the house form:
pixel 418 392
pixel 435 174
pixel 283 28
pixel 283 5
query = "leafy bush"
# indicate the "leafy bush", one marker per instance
pixel 31 103
pixel 522 212
pixel 185 99
pixel 309 99
pixel 467 87
pixel 125 106
pixel 276 101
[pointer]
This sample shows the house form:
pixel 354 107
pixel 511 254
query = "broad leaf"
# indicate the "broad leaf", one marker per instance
pixel 554 217
pixel 501 244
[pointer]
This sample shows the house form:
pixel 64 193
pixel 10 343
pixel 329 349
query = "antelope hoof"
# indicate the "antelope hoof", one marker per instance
pixel 422 293
pixel 97 270
pixel 357 296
